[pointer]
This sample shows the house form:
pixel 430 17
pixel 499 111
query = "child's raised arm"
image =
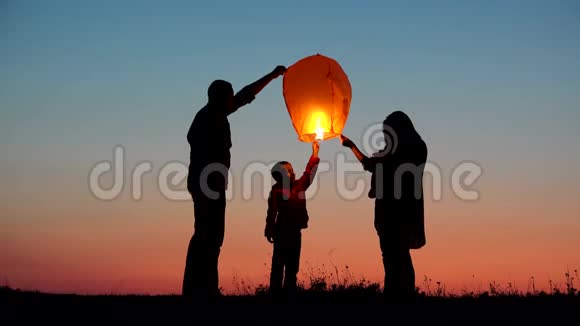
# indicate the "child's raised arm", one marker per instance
pixel 310 171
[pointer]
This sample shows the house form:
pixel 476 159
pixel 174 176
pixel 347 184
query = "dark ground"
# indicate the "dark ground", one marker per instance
pixel 305 308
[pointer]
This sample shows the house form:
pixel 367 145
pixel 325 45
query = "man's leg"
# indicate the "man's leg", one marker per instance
pixel 294 243
pixel 201 269
pixel 215 241
pixel 189 273
pixel 193 275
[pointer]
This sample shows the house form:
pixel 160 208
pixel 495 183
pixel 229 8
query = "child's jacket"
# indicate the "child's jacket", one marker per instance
pixel 287 207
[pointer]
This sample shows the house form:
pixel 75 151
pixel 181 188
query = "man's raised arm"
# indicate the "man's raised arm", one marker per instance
pixel 249 92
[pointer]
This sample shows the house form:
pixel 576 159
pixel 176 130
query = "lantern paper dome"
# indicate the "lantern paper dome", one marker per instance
pixel 317 94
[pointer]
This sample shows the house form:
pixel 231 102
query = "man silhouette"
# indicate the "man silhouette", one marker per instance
pixel 210 141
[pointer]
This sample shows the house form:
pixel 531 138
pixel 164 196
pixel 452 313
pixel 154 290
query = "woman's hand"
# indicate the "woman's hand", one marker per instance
pixel 346 142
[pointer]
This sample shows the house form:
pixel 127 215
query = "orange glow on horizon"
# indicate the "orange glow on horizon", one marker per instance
pixel 82 245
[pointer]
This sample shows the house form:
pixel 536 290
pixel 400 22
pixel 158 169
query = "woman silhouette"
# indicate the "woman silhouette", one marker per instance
pixel 396 186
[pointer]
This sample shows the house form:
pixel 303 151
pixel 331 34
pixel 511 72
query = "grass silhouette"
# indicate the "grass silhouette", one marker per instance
pixel 335 296
pixel 323 280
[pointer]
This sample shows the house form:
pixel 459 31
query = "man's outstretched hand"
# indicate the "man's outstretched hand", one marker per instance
pixel 346 142
pixel 278 71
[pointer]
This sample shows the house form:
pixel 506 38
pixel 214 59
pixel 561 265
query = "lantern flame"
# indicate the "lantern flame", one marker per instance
pixel 319 124
pixel 319 133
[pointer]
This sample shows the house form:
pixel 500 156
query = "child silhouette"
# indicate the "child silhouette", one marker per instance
pixel 286 217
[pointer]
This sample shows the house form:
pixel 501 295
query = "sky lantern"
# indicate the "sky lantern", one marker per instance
pixel 317 94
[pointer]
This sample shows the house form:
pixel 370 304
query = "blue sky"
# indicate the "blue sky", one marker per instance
pixel 481 80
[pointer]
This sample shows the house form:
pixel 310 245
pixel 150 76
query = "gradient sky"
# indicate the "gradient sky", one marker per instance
pixel 493 82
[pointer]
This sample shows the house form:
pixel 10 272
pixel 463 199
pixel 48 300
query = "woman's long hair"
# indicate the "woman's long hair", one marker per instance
pixel 400 134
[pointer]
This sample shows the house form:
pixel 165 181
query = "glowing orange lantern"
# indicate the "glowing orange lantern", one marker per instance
pixel 317 93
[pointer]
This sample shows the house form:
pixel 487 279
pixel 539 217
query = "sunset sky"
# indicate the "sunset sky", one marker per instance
pixel 496 83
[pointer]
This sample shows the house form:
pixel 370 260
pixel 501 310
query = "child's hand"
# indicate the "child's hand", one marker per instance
pixel 346 142
pixel 315 148
pixel 269 234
